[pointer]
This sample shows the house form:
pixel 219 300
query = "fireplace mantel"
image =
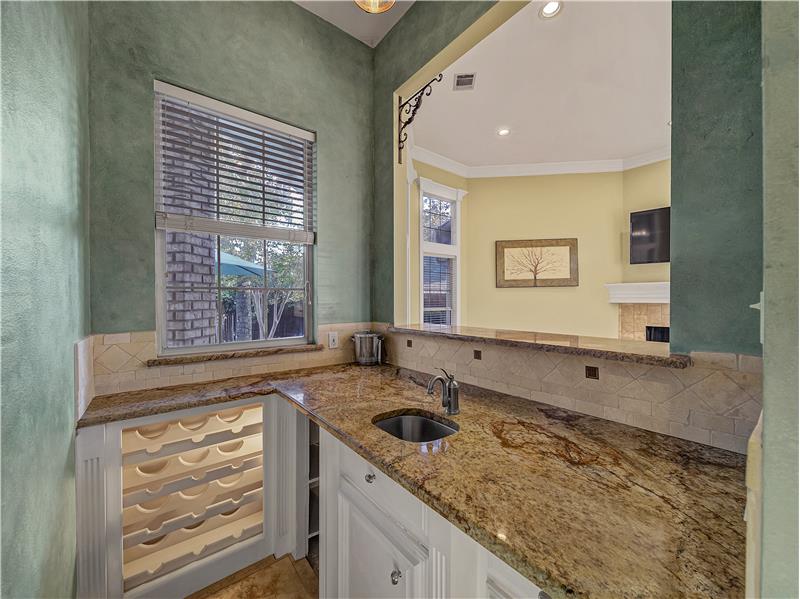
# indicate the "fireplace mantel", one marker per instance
pixel 638 293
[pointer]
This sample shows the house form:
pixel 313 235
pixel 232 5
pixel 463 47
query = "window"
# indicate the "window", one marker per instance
pixel 234 225
pixel 439 253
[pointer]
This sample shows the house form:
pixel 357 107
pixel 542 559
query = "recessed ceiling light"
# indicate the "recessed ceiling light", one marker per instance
pixel 503 131
pixel 550 9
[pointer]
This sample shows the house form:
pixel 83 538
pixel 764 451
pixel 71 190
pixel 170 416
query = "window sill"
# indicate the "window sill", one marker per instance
pixel 227 355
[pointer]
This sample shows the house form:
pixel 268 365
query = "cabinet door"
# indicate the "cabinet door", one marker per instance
pixel 376 557
pixel 503 582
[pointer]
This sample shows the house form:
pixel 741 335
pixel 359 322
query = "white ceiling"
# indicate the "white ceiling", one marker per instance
pixel 592 84
pixel 348 17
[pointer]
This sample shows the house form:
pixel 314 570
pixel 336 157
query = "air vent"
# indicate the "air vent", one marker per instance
pixel 464 81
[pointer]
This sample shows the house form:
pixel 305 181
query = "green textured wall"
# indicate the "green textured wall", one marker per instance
pixel 273 58
pixel 779 552
pixel 421 34
pixel 716 236
pixel 44 287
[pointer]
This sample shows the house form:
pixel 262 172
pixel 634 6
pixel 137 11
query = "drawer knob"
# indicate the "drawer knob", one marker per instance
pixel 370 478
pixel 396 575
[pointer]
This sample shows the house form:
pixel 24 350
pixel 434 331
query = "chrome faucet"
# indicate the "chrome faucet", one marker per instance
pixel 449 391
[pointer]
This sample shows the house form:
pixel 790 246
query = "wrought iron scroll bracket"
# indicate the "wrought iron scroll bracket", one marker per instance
pixel 408 110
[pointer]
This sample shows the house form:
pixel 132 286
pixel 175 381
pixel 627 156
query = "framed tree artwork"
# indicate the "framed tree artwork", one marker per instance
pixel 537 263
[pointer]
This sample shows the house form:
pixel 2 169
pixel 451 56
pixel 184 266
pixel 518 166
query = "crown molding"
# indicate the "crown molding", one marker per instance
pixel 646 158
pixel 439 161
pixel 535 169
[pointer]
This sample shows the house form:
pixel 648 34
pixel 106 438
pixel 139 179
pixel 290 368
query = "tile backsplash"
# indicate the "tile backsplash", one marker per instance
pixel 120 360
pixel 716 401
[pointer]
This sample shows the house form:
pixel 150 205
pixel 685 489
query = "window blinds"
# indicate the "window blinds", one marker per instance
pixel 224 170
pixel 438 282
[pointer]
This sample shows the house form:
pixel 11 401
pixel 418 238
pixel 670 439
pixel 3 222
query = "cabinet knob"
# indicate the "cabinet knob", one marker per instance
pixel 370 478
pixel 396 575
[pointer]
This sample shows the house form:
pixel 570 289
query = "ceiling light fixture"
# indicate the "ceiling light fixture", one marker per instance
pixel 375 7
pixel 504 131
pixel 550 9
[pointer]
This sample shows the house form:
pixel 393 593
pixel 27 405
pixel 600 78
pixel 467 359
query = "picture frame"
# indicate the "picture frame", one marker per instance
pixel 536 263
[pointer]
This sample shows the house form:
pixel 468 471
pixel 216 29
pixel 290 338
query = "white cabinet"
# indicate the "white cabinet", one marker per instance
pixel 378 540
pixel 170 503
pixel 376 557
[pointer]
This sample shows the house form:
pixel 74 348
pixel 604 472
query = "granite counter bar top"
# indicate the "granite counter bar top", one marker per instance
pixel 583 507
pixel 641 352
pixel 148 402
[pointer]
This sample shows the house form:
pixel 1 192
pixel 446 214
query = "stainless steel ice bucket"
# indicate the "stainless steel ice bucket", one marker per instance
pixel 368 347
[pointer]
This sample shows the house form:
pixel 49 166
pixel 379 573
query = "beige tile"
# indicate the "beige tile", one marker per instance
pixel 690 433
pixel 711 422
pixel 99 369
pixel 148 352
pixel 714 360
pixel 636 406
pixel 174 370
pixel 650 423
pixel 134 348
pixel 636 370
pixel 106 389
pixel 743 428
pixel 602 398
pixel 691 375
pixel 615 414
pixel 749 381
pixel 586 407
pixel 753 364
pixel 720 393
pixel 654 314
pixel 559 401
pixel 676 409
pixel 518 391
pixel 749 410
pixel 729 442
pixel 143 336
pixel 131 365
pixel 657 385
pixel 146 373
pixel 113 358
pixel 116 338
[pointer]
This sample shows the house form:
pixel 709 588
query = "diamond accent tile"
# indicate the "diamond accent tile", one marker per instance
pixel 113 358
pixel 720 393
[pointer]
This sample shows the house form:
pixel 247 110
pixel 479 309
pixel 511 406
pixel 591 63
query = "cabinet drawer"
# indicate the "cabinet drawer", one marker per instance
pixel 390 496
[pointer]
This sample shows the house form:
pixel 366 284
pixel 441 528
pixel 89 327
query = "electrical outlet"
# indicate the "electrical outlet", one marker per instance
pixel 476 354
pixel 333 340
pixel 592 372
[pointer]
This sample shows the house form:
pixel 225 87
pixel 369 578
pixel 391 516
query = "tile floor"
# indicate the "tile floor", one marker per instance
pixel 267 579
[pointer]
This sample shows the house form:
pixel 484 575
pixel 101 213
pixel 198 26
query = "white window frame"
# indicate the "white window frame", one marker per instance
pixel 164 221
pixel 428 187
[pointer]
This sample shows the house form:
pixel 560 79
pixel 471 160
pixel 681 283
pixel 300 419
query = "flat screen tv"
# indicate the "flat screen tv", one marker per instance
pixel 650 236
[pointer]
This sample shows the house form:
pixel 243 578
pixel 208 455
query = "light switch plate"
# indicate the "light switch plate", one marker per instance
pixel 333 340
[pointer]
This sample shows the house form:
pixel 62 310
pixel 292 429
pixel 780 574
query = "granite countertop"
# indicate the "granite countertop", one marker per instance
pixel 641 352
pixel 147 402
pixel 583 507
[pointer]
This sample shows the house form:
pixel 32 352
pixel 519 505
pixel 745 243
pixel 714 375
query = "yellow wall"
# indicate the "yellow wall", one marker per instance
pixel 485 25
pixel 588 207
pixel 592 207
pixel 644 188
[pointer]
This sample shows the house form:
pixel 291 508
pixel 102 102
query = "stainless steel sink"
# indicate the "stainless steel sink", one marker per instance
pixel 416 427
